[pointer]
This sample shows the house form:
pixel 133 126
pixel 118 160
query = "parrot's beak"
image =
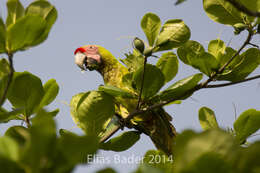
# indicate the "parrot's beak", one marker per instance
pixel 87 62
pixel 80 59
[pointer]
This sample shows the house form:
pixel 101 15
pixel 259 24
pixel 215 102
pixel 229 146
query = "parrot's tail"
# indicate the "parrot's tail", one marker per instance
pixel 157 125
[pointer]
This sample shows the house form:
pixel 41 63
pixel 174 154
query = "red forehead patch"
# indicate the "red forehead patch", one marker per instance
pixel 82 50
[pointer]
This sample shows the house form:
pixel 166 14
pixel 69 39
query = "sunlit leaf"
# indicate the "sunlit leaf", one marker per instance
pixel 24 32
pixel 207 119
pixel 191 49
pixel 193 53
pixel 91 110
pixel 116 92
pixel 223 12
pixel 247 124
pixel 173 34
pixel 181 89
pixel 15 11
pixel 151 25
pixel 168 64
pixel 48 12
pixel 2 36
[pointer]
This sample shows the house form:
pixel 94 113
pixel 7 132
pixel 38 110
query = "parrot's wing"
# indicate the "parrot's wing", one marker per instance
pixel 110 129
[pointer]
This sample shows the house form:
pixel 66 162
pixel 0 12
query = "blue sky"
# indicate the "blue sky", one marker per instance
pixel 113 24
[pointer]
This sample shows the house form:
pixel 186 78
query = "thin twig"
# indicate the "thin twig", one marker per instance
pixel 142 84
pixel 27 121
pixel 232 83
pixel 244 9
pixel 9 80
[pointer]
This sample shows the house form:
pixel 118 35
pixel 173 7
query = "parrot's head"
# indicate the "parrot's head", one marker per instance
pixel 88 57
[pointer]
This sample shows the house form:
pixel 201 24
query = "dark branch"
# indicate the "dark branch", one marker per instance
pixel 142 84
pixel 9 80
pixel 244 9
pixel 232 83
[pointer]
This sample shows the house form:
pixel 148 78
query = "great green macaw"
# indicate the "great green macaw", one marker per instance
pixel 154 123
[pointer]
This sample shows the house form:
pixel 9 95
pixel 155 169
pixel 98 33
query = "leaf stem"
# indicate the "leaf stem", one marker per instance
pixel 10 77
pixel 244 9
pixel 27 121
pixel 142 84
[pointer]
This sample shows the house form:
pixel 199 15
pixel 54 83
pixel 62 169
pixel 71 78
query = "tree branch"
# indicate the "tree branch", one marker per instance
pixel 10 77
pixel 232 83
pixel 244 9
pixel 142 84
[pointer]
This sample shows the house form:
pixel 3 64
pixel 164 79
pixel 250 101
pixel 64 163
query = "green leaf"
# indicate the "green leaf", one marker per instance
pixel 192 150
pixel 19 133
pixel 207 119
pixel 40 148
pixel 116 92
pixel 15 11
pixel 206 63
pixel 133 61
pixel 153 80
pixel 122 142
pixel 51 90
pixel 217 48
pixel 26 91
pixel 173 34
pixel 247 124
pixel 48 12
pixel 6 116
pixel 91 110
pixel 192 53
pixel 168 64
pixel 253 5
pixel 25 32
pixel 78 149
pixel 2 36
pixel 191 49
pixel 250 60
pixel 181 89
pixel 223 12
pixel 151 25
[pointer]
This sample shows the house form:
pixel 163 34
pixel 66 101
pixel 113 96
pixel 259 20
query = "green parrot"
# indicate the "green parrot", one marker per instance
pixel 156 123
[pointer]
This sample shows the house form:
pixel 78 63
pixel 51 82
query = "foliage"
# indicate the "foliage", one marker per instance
pixel 38 148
